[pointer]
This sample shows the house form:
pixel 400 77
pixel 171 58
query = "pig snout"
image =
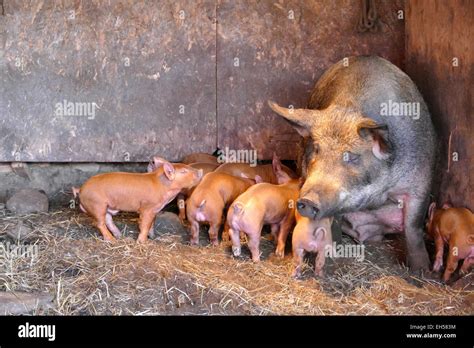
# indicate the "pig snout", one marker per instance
pixel 307 208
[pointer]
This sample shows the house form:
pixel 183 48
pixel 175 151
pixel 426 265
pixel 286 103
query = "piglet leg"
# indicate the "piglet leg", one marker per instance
pixel 235 237
pixel 319 263
pixel 111 226
pixel 285 227
pixel 182 207
pixel 466 265
pixel 214 233
pixel 298 254
pixel 144 223
pixel 194 231
pixel 439 244
pixel 451 262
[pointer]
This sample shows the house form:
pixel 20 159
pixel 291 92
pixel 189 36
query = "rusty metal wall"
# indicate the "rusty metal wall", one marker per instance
pixel 440 59
pixel 146 70
pixel 277 50
pixel 138 64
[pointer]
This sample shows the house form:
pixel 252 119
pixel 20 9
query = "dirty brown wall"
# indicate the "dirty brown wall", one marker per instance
pixel 144 69
pixel 151 72
pixel 277 50
pixel 440 59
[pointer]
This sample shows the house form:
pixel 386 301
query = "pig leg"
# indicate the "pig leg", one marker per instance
pixel 194 231
pixel 144 223
pixel 182 207
pixel 298 254
pixel 285 227
pixel 235 237
pixel 254 242
pixel 214 233
pixel 111 226
pixel 439 244
pixel 275 228
pixel 225 233
pixel 413 214
pixel 98 212
pixel 466 265
pixel 319 263
pixel 151 232
pixel 451 262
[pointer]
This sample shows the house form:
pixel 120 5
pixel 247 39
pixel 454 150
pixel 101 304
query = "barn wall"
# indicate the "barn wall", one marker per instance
pixel 139 75
pixel 440 59
pixel 277 50
pixel 148 70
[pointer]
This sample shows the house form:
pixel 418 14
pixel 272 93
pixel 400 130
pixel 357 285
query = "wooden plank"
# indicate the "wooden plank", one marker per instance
pixel 440 59
pixel 145 71
pixel 277 50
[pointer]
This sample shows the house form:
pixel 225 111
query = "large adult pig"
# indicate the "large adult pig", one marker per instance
pixel 361 154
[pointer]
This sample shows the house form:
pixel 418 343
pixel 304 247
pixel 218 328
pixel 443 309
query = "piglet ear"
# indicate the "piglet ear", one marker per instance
pixel 369 129
pixel 258 179
pixel 169 171
pixel 280 174
pixel 320 234
pixel 431 210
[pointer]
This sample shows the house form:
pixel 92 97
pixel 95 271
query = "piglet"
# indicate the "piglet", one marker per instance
pixel 209 199
pixel 199 157
pixel 104 195
pixel 455 227
pixel 311 236
pixel 266 171
pixel 206 167
pixel 260 205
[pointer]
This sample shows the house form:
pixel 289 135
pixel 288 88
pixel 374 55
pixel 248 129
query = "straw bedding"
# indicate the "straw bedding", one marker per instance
pixel 88 276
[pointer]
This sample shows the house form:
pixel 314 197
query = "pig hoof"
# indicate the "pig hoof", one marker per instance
pixel 319 274
pixel 280 254
pixel 236 251
pixel 142 240
pixel 296 274
pixel 437 266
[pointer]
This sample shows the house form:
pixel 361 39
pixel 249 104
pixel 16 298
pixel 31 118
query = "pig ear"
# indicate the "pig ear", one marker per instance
pixel 431 210
pixel 320 234
pixel 158 161
pixel 168 170
pixel 300 119
pixel 281 176
pixel 369 129
pixel 243 175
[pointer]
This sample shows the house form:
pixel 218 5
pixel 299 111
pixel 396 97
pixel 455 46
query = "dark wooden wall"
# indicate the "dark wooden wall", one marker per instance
pixel 282 58
pixel 148 65
pixel 142 63
pixel 437 33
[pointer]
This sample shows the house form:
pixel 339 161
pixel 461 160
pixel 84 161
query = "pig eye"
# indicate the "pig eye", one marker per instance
pixel 349 157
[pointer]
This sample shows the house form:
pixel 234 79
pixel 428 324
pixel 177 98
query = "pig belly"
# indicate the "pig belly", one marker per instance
pixel 364 225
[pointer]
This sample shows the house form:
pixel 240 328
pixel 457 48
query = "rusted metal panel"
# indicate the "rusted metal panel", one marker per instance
pixel 277 50
pixel 144 69
pixel 440 59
